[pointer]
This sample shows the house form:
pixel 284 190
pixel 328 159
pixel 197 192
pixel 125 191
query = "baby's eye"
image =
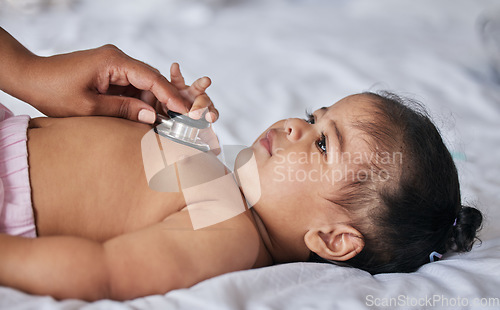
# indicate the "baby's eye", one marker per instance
pixel 309 118
pixel 321 144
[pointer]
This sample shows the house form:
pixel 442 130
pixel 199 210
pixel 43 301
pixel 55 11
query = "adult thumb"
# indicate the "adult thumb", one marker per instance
pixel 126 107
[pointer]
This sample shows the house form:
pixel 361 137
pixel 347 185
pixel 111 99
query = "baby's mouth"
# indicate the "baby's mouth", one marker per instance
pixel 266 142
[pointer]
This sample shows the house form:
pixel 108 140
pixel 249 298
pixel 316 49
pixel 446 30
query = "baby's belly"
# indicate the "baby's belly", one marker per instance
pixel 88 178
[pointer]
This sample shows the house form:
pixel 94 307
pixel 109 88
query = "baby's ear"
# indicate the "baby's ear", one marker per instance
pixel 339 243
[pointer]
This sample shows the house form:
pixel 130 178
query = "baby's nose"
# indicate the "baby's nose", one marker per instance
pixel 294 128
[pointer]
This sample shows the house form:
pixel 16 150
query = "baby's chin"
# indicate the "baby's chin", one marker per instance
pixel 247 175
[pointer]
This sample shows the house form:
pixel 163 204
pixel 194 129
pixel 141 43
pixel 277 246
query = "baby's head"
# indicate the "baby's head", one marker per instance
pixel 367 182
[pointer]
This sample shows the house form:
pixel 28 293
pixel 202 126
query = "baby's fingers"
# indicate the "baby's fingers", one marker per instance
pixel 200 106
pixel 198 88
pixel 176 77
pixel 212 115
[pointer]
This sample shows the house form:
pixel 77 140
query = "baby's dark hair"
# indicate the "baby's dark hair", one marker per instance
pixel 417 210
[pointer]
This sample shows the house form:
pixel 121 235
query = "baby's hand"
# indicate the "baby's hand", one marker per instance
pixel 194 94
pixel 200 103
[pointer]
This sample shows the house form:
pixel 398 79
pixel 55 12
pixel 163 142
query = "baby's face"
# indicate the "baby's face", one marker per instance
pixel 300 164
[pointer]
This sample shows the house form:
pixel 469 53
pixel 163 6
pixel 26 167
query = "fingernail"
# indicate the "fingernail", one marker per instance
pixel 147 116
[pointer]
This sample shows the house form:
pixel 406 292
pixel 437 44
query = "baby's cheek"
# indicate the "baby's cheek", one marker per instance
pixel 290 171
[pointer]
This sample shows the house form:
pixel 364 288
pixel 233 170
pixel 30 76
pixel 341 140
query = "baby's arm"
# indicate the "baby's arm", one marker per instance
pixel 13 62
pixel 154 260
pixel 58 266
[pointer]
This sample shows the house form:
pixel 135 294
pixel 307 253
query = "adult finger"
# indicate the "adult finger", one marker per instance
pixel 125 107
pixel 129 91
pixel 148 97
pixel 142 77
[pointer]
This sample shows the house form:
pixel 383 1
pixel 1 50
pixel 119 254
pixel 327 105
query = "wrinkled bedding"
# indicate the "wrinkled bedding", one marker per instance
pixel 273 59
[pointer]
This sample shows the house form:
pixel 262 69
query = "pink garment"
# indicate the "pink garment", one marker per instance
pixel 16 212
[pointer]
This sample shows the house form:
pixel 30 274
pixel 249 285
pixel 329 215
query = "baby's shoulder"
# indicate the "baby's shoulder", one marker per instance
pixel 224 244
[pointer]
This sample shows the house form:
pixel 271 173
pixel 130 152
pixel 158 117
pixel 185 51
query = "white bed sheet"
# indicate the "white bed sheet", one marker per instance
pixel 461 281
pixel 271 60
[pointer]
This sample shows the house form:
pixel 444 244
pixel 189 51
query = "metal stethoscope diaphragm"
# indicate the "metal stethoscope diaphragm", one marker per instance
pixel 182 129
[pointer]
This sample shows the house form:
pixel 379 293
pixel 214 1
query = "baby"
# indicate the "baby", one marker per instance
pixel 114 210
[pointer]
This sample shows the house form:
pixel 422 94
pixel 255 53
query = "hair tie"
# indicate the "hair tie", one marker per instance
pixel 455 223
pixel 434 254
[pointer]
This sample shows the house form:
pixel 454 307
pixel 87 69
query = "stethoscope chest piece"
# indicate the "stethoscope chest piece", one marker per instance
pixel 182 129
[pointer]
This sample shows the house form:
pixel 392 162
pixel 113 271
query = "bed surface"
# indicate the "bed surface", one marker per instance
pixel 270 60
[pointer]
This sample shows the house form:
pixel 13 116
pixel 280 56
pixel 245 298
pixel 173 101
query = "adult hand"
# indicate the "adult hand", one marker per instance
pixel 101 81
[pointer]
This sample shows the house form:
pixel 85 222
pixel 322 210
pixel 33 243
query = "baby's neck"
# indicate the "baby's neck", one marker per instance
pixel 264 257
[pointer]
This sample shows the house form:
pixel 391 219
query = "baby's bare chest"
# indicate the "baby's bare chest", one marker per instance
pixel 88 178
